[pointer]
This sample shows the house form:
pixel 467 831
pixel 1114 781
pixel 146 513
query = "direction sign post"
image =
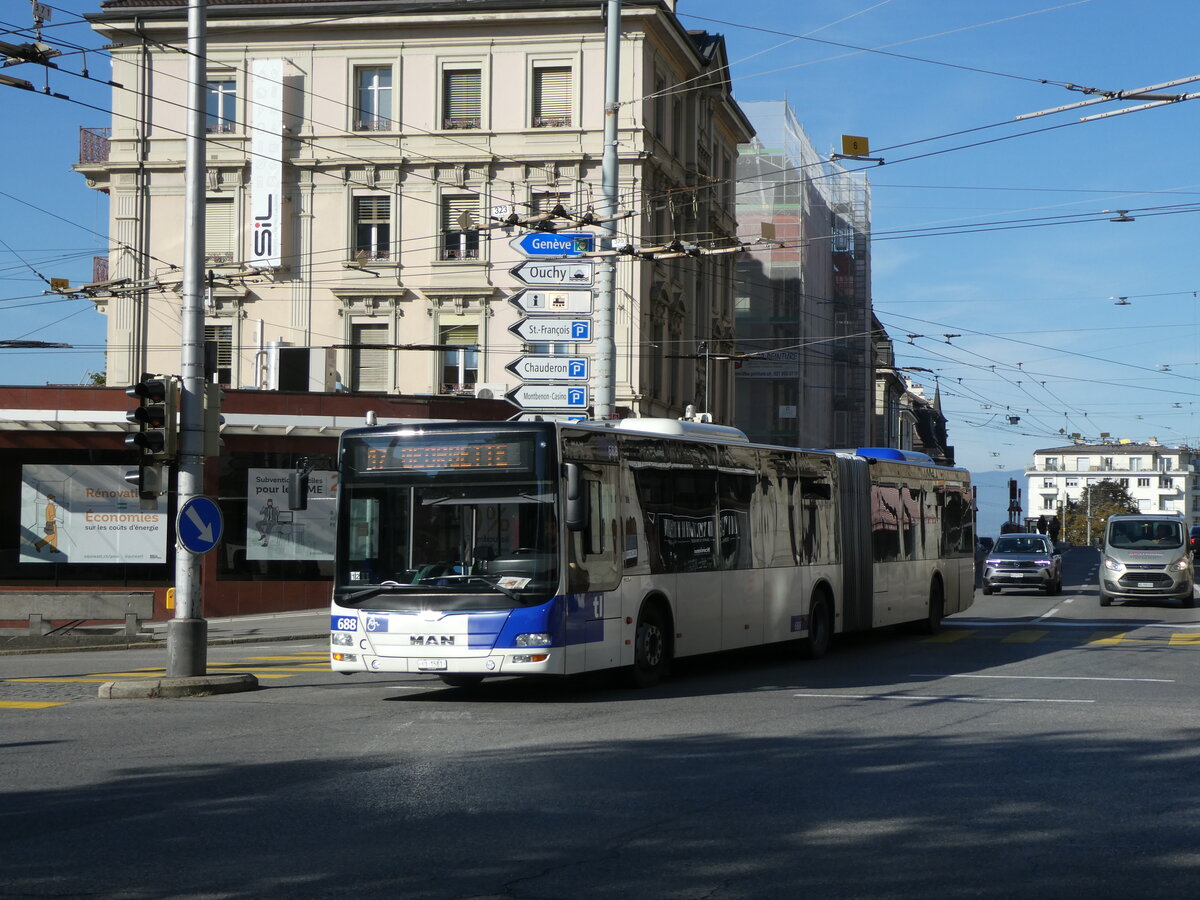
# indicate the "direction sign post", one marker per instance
pixel 549 396
pixel 565 273
pixel 550 368
pixel 542 330
pixel 546 244
pixel 534 301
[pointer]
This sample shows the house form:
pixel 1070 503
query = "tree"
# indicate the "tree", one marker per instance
pixel 1103 499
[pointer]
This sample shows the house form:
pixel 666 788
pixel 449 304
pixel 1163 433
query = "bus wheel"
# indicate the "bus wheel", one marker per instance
pixel 937 609
pixel 462 681
pixel 651 655
pixel 820 629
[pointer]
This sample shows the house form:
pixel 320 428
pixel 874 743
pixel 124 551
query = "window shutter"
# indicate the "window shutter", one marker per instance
pixel 219 242
pixel 552 97
pixel 453 209
pixel 369 357
pixel 462 99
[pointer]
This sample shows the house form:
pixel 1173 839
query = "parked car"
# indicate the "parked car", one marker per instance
pixel 1146 557
pixel 1025 561
pixel 1193 536
pixel 985 544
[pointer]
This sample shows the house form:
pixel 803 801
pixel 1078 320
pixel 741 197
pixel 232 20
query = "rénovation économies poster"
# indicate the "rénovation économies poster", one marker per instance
pixel 88 514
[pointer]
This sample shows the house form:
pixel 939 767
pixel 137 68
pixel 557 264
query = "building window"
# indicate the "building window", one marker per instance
pixel 372 98
pixel 552 98
pixel 218 350
pixel 220 233
pixel 1072 482
pixel 220 112
pixel 372 227
pixel 1048 501
pixel 660 107
pixel 460 227
pixel 1048 482
pixel 459 366
pixel 462 98
pixel 1143 482
pixel 368 357
pixel 1051 463
pixel 1165 483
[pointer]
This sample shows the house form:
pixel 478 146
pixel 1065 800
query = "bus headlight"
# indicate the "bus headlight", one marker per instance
pixel 342 639
pixel 532 640
pixel 1112 565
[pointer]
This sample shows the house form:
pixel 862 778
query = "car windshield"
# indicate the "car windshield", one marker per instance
pixel 1022 544
pixel 1145 534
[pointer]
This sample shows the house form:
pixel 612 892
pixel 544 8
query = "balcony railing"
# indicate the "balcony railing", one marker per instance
pixel 451 123
pixel 93 145
pixel 551 121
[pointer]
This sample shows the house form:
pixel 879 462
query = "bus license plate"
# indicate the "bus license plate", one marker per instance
pixel 431 665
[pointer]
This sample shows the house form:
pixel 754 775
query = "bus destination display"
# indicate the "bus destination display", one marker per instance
pixel 436 456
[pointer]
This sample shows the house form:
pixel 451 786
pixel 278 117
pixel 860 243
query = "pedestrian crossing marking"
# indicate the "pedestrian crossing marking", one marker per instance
pixel 1024 637
pixel 949 637
pixel 30 704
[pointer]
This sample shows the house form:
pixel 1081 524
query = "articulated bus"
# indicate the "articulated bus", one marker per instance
pixel 474 549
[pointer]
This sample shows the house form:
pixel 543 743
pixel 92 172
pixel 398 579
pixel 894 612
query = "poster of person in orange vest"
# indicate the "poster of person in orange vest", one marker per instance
pixel 50 528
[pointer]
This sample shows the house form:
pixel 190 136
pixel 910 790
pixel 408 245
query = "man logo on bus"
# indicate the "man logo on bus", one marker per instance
pixel 432 640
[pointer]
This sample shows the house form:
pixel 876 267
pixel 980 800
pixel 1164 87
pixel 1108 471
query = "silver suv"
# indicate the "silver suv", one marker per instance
pixel 1146 557
pixel 1022 560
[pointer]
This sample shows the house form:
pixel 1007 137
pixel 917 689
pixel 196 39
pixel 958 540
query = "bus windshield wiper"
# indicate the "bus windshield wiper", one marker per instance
pixel 372 591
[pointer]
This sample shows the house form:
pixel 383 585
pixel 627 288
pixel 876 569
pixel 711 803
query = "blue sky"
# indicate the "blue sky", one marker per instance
pixel 1022 266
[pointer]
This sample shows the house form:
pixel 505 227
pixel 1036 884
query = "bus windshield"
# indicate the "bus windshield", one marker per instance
pixel 458 538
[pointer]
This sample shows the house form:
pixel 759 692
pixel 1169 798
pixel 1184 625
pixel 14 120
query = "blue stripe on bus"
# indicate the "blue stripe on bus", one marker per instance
pixel 568 619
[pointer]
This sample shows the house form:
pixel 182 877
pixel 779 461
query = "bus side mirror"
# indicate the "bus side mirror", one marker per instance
pixel 577 511
pixel 297 490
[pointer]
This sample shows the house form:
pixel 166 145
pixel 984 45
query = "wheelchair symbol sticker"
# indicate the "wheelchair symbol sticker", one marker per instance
pixel 376 623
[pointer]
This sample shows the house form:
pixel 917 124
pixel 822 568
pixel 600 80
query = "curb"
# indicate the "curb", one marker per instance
pixel 176 688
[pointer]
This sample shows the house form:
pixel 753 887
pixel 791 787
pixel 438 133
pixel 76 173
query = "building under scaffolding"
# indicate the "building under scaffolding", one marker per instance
pixel 803 308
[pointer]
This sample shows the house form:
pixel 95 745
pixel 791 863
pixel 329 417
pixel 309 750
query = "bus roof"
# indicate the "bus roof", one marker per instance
pixel 891 453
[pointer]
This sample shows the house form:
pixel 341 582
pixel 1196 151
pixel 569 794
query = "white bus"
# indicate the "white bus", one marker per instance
pixel 474 549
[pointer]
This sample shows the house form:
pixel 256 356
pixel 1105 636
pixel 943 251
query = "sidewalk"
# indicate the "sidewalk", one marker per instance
pixel 310 624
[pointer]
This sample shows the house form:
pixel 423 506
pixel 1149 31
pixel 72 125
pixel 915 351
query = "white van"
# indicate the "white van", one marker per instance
pixel 1146 557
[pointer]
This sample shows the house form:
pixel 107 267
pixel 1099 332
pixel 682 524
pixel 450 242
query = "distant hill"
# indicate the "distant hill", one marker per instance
pixel 992 499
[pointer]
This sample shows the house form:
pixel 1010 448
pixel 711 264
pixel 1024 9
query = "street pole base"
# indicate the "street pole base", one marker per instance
pixel 187 648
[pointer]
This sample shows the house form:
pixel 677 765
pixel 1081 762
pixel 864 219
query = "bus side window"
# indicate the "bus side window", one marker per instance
pixel 595 561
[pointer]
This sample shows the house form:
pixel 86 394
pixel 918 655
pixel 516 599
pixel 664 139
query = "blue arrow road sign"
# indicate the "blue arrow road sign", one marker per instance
pixel 199 524
pixel 549 243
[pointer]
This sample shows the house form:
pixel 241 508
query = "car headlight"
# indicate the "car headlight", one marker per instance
pixel 1181 565
pixel 1113 565
pixel 532 640
pixel 1043 562
pixel 993 562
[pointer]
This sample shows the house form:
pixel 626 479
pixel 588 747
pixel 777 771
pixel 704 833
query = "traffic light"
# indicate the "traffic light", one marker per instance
pixel 155 417
pixel 149 479
pixel 213 420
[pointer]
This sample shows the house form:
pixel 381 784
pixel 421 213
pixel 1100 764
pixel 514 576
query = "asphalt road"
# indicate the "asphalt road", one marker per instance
pixel 1040 746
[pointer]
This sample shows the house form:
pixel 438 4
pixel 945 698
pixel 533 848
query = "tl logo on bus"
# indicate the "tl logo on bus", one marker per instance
pixel 431 640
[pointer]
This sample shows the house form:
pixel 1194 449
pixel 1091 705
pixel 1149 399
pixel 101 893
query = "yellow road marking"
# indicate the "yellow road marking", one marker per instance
pixel 29 704
pixel 949 637
pixel 1108 638
pixel 1024 637
pixel 1185 639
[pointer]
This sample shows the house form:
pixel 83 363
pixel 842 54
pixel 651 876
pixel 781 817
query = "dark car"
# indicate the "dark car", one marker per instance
pixel 1024 561
pixel 1193 536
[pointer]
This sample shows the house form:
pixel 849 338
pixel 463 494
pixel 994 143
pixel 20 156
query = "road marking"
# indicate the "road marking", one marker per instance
pixel 1051 677
pixel 923 698
pixel 1185 640
pixel 949 637
pixel 1107 638
pixel 29 704
pixel 1024 637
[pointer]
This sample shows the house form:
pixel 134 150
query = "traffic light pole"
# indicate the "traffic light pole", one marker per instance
pixel 187 633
